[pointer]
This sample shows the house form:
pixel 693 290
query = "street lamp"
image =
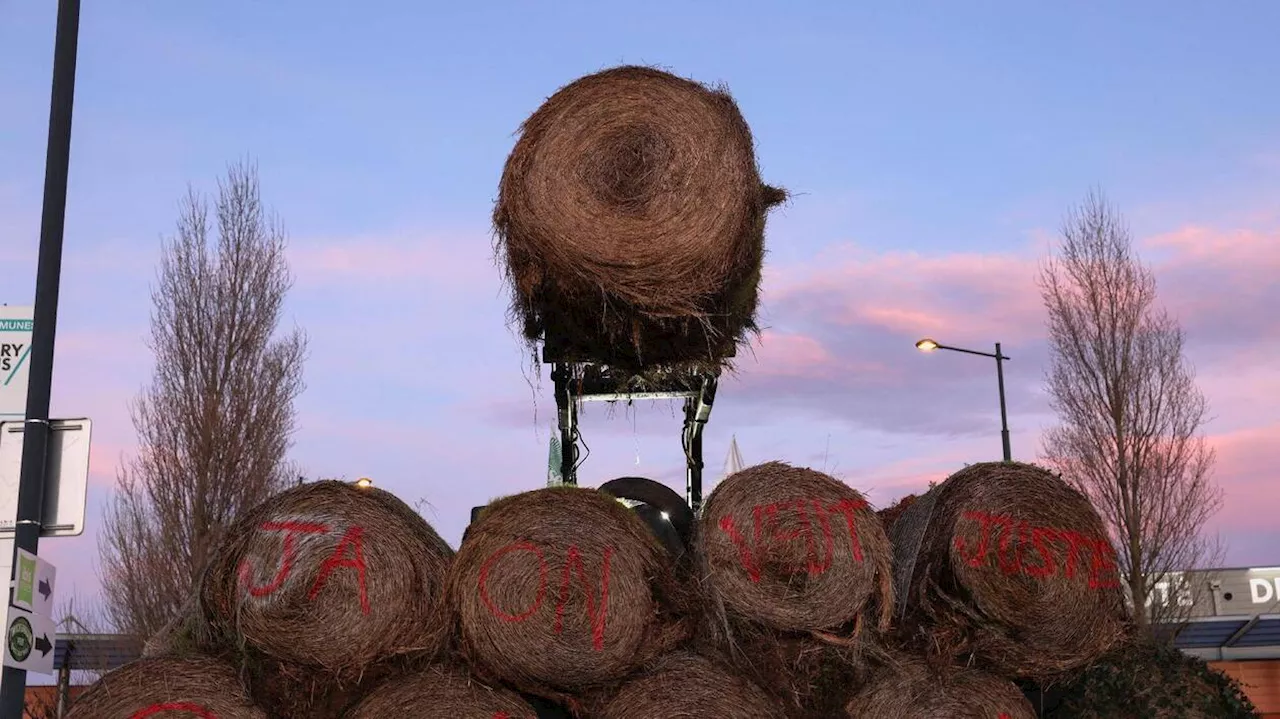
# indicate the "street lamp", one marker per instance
pixel 928 345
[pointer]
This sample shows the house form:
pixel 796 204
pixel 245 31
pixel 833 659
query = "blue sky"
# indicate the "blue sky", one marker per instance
pixel 932 152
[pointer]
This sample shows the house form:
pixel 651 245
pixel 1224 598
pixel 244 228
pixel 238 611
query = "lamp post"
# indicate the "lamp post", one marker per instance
pixel 928 345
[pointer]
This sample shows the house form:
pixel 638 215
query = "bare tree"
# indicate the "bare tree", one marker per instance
pixel 1129 409
pixel 217 419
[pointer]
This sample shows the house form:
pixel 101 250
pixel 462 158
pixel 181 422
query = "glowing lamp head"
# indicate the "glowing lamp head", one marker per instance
pixel 926 345
pixel 364 483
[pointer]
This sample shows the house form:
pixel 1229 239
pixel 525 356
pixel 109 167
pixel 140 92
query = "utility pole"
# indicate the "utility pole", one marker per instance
pixel 35 445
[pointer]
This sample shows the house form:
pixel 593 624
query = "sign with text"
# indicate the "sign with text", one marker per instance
pixel 33 584
pixel 28 641
pixel 15 356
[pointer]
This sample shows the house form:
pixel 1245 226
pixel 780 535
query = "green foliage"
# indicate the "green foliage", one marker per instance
pixel 1149 680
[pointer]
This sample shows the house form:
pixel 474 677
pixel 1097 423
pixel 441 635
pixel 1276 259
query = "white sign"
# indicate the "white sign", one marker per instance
pixel 1264 590
pixel 1173 588
pixel 33 584
pixel 15 360
pixel 66 476
pixel 28 641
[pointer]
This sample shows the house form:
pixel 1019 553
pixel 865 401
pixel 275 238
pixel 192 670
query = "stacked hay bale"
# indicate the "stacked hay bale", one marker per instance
pixel 168 688
pixel 684 685
pixel 797 581
pixel 440 692
pixel 908 688
pixel 630 218
pixel 316 595
pixel 563 593
pixel 1006 565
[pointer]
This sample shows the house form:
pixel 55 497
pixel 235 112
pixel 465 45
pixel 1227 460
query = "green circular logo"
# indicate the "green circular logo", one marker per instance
pixel 21 638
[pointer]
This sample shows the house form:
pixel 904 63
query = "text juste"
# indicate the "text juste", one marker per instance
pixel 1018 547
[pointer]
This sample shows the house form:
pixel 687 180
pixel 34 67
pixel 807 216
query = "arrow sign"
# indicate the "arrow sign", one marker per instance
pixel 35 583
pixel 27 642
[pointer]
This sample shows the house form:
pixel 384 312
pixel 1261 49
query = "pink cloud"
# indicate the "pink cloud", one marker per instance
pixel 1220 282
pixel 792 354
pixel 915 293
pixel 1246 468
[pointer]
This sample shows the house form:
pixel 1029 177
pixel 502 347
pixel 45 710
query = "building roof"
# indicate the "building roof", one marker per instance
pixel 95 652
pixel 1254 637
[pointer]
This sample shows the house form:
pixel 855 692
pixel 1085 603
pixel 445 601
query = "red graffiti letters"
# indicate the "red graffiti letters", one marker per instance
pixel 291 530
pixel 596 613
pixel 351 543
pixel 198 710
pixel 765 533
pixel 542 582
pixel 597 605
pixel 352 539
pixel 1021 548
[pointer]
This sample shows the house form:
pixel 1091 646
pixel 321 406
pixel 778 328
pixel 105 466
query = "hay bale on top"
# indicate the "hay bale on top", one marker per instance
pixel 794 549
pixel 1013 566
pixel 911 689
pixel 798 581
pixel 167 688
pixel 687 685
pixel 440 692
pixel 561 589
pixel 635 191
pixel 331 577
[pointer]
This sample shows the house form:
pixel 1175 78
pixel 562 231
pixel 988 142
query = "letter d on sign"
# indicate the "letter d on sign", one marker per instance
pixel 1260 590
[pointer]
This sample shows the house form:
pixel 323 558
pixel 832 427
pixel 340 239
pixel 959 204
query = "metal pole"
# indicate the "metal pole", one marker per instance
pixel 692 455
pixel 35 445
pixel 567 417
pixel 1004 415
pixel 64 685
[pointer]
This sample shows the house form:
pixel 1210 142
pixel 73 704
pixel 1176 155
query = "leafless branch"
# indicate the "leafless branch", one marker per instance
pixel 217 419
pixel 1129 409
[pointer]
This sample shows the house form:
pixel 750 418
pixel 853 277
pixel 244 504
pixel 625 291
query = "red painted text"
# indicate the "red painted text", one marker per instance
pixel 597 603
pixel 348 554
pixel 765 533
pixel 1022 548
pixel 198 710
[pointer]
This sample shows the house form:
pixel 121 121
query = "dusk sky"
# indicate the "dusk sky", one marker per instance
pixel 932 153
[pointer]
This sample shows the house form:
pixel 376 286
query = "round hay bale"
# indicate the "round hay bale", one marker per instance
pixel 1014 566
pixel 440 692
pixel 911 689
pixel 167 688
pixel 187 633
pixel 635 191
pixel 794 562
pixel 330 576
pixel 561 589
pixel 890 514
pixel 794 549
pixel 689 686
